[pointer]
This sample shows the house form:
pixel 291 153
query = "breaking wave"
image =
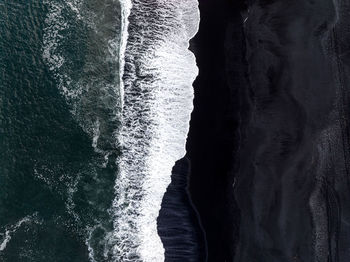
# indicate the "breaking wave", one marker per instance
pixel 158 95
pixel 126 73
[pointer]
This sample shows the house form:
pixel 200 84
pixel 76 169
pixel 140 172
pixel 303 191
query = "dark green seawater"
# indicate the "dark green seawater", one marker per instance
pixel 57 150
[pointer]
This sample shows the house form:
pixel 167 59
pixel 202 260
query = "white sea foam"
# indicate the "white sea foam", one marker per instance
pixel 53 37
pixel 11 229
pixel 126 6
pixel 158 98
pixel 75 6
pixel 156 94
pixel 89 82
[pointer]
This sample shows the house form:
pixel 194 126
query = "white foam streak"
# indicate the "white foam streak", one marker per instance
pixel 125 6
pixel 10 230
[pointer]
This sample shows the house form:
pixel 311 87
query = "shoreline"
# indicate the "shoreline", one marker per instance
pixel 213 138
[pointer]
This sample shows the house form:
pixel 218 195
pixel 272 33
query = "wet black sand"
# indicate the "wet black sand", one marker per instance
pixel 214 131
pixel 269 139
pixel 178 222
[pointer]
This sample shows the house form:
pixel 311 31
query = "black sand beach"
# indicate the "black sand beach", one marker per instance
pixel 269 139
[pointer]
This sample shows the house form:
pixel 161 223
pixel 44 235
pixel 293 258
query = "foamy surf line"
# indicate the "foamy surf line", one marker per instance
pixel 152 87
pixel 157 103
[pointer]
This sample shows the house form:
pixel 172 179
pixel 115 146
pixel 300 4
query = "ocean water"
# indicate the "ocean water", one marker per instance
pixel 95 102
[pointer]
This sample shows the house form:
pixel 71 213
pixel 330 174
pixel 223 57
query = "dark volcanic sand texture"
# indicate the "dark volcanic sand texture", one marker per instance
pixel 212 140
pixel 269 136
pixel 178 224
pixel 283 179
